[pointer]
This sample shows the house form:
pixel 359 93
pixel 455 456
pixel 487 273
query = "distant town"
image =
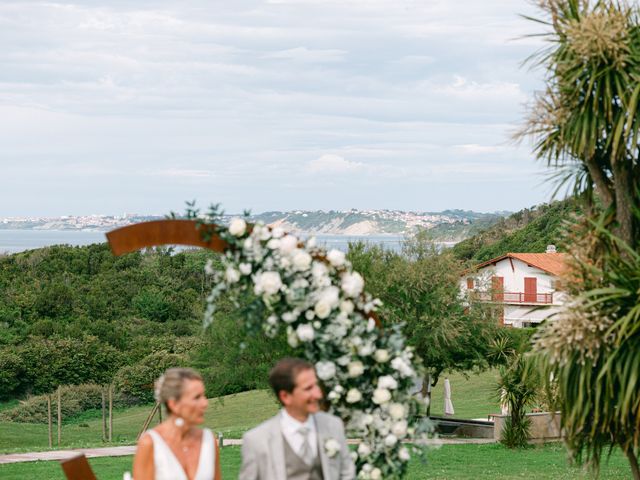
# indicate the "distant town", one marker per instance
pixel 350 222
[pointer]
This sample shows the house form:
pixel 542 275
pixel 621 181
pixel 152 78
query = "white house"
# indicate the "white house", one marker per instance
pixel 524 283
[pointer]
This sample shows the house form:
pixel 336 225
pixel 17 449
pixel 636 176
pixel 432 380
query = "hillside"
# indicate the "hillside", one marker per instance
pixel 449 225
pixel 529 230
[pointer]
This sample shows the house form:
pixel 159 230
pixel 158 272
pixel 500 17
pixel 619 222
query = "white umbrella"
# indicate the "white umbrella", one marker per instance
pixel 448 405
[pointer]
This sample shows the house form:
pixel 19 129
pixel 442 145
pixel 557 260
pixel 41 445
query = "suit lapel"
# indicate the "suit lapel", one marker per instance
pixel 323 435
pixel 276 448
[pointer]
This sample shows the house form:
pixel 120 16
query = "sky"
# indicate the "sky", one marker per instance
pixel 116 106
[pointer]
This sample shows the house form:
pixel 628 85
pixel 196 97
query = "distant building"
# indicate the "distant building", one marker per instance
pixel 523 283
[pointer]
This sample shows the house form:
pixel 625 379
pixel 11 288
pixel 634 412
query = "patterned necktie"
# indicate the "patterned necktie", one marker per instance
pixel 305 451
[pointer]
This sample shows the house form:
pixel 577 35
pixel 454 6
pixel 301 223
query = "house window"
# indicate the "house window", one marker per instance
pixel 497 287
pixel 530 289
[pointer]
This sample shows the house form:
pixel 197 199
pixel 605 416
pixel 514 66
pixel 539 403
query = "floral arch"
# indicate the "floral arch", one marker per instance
pixel 367 372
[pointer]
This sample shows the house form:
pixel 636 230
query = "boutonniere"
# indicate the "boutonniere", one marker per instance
pixel 331 447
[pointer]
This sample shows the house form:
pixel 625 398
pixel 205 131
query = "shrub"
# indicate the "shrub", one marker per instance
pixel 76 399
pixel 136 382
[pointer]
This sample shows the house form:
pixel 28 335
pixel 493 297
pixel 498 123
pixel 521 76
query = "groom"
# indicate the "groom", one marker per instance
pixel 300 442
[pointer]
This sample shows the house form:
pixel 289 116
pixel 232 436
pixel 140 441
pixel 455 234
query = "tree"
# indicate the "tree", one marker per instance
pixel 420 288
pixel 586 124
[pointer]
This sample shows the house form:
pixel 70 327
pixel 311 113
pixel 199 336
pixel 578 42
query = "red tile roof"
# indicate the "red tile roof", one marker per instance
pixel 554 263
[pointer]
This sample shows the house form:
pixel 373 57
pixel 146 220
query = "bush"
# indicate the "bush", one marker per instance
pixel 76 399
pixel 136 382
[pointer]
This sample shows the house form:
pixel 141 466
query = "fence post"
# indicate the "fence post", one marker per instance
pixel 104 415
pixel 59 414
pixel 50 421
pixel 110 412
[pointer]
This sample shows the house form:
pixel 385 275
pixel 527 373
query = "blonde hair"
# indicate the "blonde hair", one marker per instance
pixel 171 384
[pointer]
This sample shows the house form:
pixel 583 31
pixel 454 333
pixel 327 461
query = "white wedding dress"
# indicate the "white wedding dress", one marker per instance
pixel 167 466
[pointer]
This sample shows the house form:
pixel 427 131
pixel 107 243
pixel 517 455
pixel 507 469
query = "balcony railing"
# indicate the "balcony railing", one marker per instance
pixel 514 297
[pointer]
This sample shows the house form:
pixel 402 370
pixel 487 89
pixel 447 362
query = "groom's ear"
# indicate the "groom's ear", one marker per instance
pixel 283 396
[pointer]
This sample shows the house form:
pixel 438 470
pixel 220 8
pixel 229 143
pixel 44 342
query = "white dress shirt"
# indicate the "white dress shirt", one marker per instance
pixel 291 431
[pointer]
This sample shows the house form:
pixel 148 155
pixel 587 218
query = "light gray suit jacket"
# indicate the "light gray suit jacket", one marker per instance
pixel 263 451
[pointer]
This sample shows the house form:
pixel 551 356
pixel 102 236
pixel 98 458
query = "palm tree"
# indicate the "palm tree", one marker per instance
pixel 586 125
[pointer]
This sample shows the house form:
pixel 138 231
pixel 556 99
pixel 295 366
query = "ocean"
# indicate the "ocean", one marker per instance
pixel 13 241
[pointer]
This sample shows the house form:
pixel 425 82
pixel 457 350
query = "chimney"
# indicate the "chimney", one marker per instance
pixel 551 249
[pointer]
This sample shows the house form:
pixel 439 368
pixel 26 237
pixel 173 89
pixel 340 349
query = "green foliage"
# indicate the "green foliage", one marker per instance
pixel 529 230
pixel 137 381
pixel 518 387
pixel 73 315
pixel 420 288
pixel 75 399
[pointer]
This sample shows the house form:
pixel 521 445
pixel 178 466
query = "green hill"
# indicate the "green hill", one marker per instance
pixel 529 230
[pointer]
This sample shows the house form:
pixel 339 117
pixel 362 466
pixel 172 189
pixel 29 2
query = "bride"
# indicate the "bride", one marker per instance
pixel 177 449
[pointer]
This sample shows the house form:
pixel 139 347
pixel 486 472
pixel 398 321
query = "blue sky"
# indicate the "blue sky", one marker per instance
pixel 120 106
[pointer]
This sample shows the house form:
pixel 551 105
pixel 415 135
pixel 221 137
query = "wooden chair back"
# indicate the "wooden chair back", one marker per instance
pixel 77 468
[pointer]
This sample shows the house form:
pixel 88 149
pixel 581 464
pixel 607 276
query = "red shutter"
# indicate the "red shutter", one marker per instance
pixel 530 289
pixel 470 283
pixel 497 287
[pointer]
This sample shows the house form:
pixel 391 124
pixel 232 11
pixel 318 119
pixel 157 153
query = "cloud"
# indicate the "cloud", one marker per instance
pixel 333 164
pixel 304 54
pixel 475 149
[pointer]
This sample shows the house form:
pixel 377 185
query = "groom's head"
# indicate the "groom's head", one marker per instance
pixel 295 384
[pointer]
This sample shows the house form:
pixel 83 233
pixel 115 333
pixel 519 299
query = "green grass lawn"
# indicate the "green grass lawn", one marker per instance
pixel 472 397
pixel 231 415
pixel 491 461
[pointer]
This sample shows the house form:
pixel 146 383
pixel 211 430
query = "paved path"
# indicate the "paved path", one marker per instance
pixel 130 450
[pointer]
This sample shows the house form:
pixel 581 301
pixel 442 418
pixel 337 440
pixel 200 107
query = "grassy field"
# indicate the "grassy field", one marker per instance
pixel 479 462
pixel 231 415
pixel 472 397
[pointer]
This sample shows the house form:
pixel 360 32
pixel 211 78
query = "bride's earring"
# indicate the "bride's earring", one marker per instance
pixel 179 422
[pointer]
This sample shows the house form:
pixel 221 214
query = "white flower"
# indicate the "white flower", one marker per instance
pixel 346 306
pixel 353 395
pixel 325 370
pixel 331 295
pixel 231 275
pixel 288 243
pixel 277 232
pixel 247 244
pixel 319 270
pixel 301 260
pixel 272 319
pixel 289 317
pixel 376 474
pixel 399 429
pixel 322 309
pixel 309 314
pixel 311 242
pixel 292 338
pixel 356 369
pixel 352 284
pixel 237 227
pixel 390 440
pixel 381 396
pixel 336 257
pixel 381 355
pixel 367 419
pixel 268 283
pixel 364 449
pixel 208 268
pixel 333 396
pixel 402 367
pixel 331 447
pixel 273 244
pixel 305 332
pixel 404 454
pixel 397 411
pixel 387 381
pixel 366 349
pixel 245 268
